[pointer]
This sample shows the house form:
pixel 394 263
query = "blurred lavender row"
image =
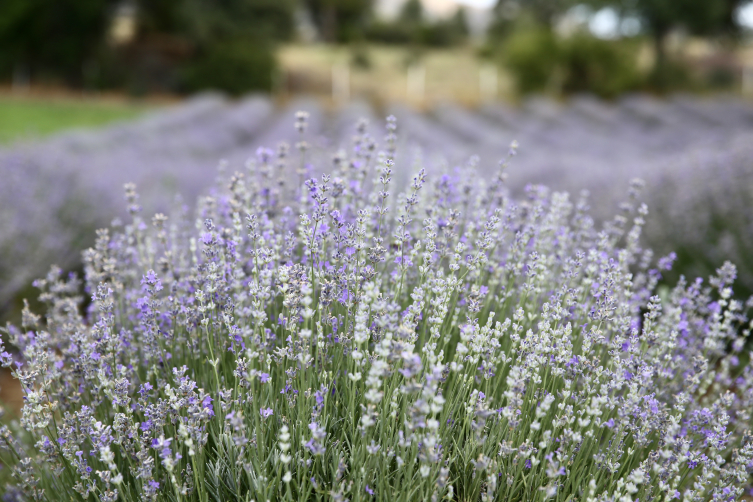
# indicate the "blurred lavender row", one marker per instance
pixel 694 154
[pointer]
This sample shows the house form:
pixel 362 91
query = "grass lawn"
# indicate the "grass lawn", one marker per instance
pixel 30 117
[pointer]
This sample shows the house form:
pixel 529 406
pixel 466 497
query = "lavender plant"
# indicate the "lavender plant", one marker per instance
pixel 333 340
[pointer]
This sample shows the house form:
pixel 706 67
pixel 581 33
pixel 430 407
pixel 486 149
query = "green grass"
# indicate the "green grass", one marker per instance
pixel 24 118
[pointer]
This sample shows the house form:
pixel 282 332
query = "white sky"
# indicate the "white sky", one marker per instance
pixel 745 15
pixel 479 4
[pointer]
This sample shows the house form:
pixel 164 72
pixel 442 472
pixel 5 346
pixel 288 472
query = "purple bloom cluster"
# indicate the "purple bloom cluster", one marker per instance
pixel 352 336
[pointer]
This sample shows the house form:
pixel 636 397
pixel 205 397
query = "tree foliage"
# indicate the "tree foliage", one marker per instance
pixel 339 20
pixel 204 22
pixel 413 27
pixel 231 41
pixel 543 12
pixel 411 13
pixel 710 18
pixel 53 38
pixel 702 17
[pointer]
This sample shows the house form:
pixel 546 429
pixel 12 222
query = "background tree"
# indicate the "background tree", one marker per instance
pixel 411 13
pixel 543 12
pixel 459 23
pixel 660 17
pixel 52 38
pixel 339 20
pixel 230 42
pixel 205 21
pixel 446 32
pixel 709 18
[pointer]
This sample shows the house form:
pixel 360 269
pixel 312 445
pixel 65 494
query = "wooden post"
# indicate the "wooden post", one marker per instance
pixel 416 82
pixel 487 82
pixel 340 83
pixel 747 80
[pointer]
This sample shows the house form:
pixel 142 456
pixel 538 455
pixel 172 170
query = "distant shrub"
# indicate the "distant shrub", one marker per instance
pixel 540 61
pixel 532 56
pixel 442 33
pixel 602 67
pixel 671 76
pixel 236 66
pixel 388 33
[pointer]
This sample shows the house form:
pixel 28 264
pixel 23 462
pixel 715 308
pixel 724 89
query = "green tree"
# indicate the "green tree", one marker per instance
pixel 53 38
pixel 206 21
pixel 459 23
pixel 543 12
pixel 660 17
pixel 446 32
pixel 232 41
pixel 412 13
pixel 340 20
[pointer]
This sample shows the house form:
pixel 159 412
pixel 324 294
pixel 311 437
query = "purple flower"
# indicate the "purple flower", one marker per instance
pixel 151 280
pixel 404 260
pixel 319 396
pixel 145 388
pixel 264 377
pixel 266 412
pixel 206 403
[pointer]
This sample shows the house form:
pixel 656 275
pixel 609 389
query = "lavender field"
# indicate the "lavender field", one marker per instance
pixel 694 155
pixel 312 304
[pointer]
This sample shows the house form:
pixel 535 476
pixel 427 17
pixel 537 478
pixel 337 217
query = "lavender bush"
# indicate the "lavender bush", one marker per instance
pixel 332 340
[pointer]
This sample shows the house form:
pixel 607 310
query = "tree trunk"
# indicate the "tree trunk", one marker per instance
pixel 329 23
pixel 21 77
pixel 660 49
pixel 660 75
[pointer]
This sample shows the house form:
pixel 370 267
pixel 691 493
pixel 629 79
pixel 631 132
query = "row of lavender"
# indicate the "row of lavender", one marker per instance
pixel 693 153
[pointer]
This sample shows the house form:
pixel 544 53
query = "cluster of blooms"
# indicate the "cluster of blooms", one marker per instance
pixel 335 340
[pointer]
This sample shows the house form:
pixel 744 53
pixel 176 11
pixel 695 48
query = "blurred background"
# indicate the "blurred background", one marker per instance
pixel 382 50
pixel 171 94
